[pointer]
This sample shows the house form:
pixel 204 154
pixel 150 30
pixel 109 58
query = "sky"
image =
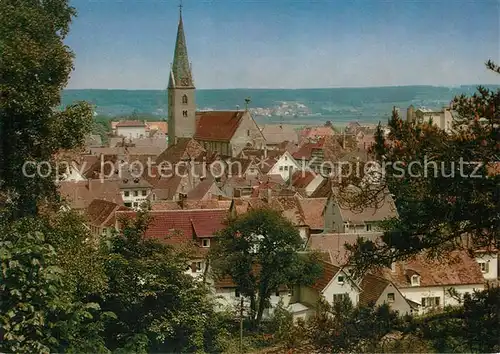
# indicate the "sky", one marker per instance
pixel 129 44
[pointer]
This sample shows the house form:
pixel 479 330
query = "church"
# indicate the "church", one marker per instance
pixel 226 133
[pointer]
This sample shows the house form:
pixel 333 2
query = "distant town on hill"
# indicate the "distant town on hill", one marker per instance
pixel 302 106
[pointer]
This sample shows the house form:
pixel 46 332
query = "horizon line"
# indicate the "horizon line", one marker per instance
pixel 285 88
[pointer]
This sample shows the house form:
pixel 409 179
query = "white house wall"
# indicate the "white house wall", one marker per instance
pixel 492 260
pixel 417 293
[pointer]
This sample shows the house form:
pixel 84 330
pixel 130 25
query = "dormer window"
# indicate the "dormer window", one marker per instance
pixel 340 279
pixel 205 242
pixel 415 280
pixel 184 99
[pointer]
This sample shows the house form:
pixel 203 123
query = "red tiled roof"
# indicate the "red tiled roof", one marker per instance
pixel 217 125
pixel 335 244
pixel 301 179
pixel 313 212
pixel 131 123
pixel 177 227
pixel 161 126
pixel 79 195
pixel 456 268
pixel 185 149
pixel 372 288
pixel 329 271
pixel 100 210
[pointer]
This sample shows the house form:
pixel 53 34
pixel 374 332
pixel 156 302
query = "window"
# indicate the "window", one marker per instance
pixel 286 168
pixel 154 197
pixel 390 297
pixel 340 279
pixel 415 280
pixel 248 132
pixel 198 266
pixel 430 301
pixel 128 204
pixel 184 113
pixel 136 193
pixel 286 158
pixel 126 193
pixel 136 204
pixel 368 227
pixel 281 168
pixel 484 267
pixel 236 293
pixel 205 242
pixel 339 297
pixel 277 292
pixel 144 193
pixel 184 99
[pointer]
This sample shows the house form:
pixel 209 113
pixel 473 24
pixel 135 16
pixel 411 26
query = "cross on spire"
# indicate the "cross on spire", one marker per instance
pixel 180 6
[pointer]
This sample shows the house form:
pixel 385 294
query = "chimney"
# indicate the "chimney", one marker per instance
pixel 269 194
pixel 290 174
pixel 343 139
pixel 265 152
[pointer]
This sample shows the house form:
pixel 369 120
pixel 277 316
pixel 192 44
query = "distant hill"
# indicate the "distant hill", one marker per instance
pixel 302 106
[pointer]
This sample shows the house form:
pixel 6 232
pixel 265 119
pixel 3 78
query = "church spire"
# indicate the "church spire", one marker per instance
pixel 181 70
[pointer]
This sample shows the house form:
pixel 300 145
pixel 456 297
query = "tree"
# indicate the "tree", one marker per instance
pixel 260 252
pixel 159 308
pixel 38 311
pixel 453 191
pixel 341 327
pixel 34 67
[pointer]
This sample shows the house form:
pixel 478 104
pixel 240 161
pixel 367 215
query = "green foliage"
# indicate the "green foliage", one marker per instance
pixel 444 199
pixel 159 308
pixel 38 313
pixel 34 66
pixel 344 328
pixel 260 252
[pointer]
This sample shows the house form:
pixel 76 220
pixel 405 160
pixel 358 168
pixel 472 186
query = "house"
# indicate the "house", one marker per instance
pixel 334 245
pixel 79 195
pixel 312 209
pixel 131 129
pixel 192 230
pixel 340 218
pixel 443 118
pixel 427 281
pixel 229 297
pixel 487 258
pixel 135 190
pixel 378 291
pixel 285 165
pixel 306 180
pixel 185 150
pixel 206 189
pixel 276 134
pixel 333 286
pixel 100 216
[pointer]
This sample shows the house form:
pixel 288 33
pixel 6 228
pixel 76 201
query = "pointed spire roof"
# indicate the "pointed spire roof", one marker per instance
pixel 180 75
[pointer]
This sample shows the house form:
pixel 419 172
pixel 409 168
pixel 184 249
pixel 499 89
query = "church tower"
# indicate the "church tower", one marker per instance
pixel 181 92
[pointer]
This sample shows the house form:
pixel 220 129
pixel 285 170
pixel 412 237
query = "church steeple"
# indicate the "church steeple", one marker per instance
pixel 180 75
pixel 181 92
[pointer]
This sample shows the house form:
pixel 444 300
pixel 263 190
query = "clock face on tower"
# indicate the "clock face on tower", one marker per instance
pixel 185 82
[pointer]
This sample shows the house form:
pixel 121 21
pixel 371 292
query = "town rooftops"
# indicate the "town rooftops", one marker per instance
pixel 178 227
